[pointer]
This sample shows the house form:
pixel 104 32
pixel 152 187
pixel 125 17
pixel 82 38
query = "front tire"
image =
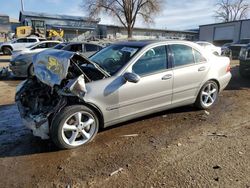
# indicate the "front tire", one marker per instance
pixel 207 96
pixel 7 51
pixel 74 126
pixel 31 72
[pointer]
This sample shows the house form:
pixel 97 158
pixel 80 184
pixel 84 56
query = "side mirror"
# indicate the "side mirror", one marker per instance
pixel 131 77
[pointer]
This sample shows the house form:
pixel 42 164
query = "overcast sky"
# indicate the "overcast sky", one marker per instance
pixel 176 14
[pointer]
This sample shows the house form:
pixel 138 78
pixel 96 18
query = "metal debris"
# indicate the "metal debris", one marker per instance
pixel 241 153
pixel 207 113
pixel 129 135
pixel 115 172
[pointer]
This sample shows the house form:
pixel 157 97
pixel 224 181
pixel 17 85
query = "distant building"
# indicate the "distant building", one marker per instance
pixel 81 28
pixel 4 27
pixel 119 32
pixel 14 23
pixel 220 33
pixel 73 26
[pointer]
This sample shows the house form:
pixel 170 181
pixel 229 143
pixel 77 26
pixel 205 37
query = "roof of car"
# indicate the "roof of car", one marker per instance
pixel 142 43
pixel 55 41
pixel 139 43
pixel 72 43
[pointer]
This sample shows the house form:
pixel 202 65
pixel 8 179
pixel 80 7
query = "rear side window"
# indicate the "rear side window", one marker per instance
pixel 198 57
pixel 60 46
pixel 32 40
pixel 22 40
pixel 43 45
pixel 41 39
pixel 154 60
pixel 182 55
pixel 91 48
pixel 51 44
pixel 75 48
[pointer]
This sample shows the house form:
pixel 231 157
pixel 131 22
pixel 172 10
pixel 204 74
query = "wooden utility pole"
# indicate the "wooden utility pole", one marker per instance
pixel 22 5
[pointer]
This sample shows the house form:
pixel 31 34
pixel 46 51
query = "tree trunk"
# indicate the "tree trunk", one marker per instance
pixel 130 31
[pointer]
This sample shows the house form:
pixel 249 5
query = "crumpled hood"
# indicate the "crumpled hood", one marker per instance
pixel 51 66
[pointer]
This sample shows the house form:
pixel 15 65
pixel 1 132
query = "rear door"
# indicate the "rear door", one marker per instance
pixel 189 69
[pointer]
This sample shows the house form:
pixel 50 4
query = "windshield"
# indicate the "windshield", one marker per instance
pixel 114 57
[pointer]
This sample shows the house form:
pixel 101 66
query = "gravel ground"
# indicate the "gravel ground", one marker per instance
pixel 183 147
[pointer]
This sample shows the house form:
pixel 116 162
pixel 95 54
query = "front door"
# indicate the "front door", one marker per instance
pixel 20 43
pixel 154 89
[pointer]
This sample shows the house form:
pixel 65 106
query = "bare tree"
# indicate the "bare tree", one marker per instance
pixel 231 10
pixel 126 11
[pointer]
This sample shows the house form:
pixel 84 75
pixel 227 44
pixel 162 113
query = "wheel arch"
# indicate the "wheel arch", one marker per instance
pixel 216 81
pixel 212 79
pixel 8 46
pixel 96 109
pixel 28 69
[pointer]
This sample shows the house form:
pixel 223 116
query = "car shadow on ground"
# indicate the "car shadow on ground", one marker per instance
pixel 4 60
pixel 16 140
pixel 237 82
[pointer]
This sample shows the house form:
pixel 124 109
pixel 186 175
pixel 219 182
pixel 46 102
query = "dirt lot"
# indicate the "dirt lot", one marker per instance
pixel 183 147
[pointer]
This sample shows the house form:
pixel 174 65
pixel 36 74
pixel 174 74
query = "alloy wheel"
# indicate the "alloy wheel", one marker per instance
pixel 78 128
pixel 209 94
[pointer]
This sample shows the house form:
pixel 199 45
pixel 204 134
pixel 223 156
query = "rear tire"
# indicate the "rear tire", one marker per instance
pixel 7 50
pixel 74 126
pixel 207 96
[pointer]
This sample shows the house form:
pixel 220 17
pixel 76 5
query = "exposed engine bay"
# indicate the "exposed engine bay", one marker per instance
pixel 60 79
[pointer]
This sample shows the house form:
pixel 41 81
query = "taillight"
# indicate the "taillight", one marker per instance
pixel 228 68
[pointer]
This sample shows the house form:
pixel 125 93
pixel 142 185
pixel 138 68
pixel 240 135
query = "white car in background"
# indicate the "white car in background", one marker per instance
pixel 18 44
pixel 209 46
pixel 35 48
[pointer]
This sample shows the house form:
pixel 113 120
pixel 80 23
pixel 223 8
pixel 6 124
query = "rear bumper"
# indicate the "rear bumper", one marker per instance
pixel 224 80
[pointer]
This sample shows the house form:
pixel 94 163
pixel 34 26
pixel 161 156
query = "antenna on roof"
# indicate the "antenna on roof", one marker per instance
pixel 22 5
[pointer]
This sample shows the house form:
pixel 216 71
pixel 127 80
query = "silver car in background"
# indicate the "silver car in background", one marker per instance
pixel 21 60
pixel 85 48
pixel 71 96
pixel 210 47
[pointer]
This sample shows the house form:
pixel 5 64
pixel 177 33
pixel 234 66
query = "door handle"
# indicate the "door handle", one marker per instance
pixel 202 69
pixel 167 77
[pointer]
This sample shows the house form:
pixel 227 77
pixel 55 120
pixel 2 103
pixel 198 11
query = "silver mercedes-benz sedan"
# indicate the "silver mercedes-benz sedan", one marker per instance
pixel 71 97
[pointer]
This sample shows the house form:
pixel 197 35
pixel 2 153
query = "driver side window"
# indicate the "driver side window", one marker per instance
pixel 154 60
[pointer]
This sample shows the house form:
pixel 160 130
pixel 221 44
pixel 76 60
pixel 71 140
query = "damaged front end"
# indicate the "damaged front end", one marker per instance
pixel 59 80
